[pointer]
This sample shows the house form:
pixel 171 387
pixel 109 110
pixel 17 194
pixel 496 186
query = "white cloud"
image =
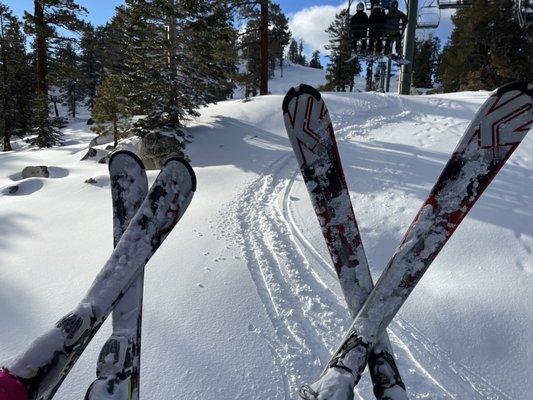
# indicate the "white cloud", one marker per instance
pixel 310 24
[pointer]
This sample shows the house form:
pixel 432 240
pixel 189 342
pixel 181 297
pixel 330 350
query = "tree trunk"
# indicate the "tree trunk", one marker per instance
pixel 74 102
pixel 172 49
pixel 40 31
pixel 56 110
pixel 5 114
pixel 115 132
pixel 263 69
pixel 43 139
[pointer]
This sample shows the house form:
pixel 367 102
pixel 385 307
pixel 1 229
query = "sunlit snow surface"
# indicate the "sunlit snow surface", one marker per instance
pixel 241 301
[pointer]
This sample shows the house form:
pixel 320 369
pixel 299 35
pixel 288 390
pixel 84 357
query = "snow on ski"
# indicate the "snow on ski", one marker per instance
pixel 495 132
pixel 312 137
pixel 43 366
pixel 118 366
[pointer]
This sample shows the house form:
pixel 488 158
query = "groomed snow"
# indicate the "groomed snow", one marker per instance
pixel 240 300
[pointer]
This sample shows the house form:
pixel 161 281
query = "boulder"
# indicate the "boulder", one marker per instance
pixel 9 190
pixel 155 148
pixel 90 121
pixel 39 171
pixel 91 153
pixel 94 154
pixel 104 160
pixel 102 139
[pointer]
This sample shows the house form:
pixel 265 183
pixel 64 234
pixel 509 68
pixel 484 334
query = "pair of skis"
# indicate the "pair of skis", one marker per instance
pixel 497 129
pixel 38 372
pixel 118 365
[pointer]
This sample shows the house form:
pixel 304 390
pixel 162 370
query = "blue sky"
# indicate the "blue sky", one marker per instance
pixel 308 18
pixel 100 10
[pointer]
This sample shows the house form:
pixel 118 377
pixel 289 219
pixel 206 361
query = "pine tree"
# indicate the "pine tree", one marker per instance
pixel 213 48
pixel 302 60
pixel 110 111
pixel 254 44
pixel 279 36
pixel 47 16
pixel 293 52
pixel 487 47
pixel 173 59
pixel 66 76
pixel 15 94
pixel 315 60
pixel 426 62
pixel 340 74
pixel 111 51
pixel 90 64
pixel 251 42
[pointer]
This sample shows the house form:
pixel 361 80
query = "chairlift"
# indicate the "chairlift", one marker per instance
pixel 428 16
pixel 454 4
pixel 385 4
pixel 525 13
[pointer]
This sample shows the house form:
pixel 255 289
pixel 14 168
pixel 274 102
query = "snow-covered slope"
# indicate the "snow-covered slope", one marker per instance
pixel 241 301
pixel 290 75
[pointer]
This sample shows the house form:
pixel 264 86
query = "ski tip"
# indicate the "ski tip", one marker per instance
pixel 297 91
pixel 187 165
pixel 11 388
pixel 521 86
pixel 126 153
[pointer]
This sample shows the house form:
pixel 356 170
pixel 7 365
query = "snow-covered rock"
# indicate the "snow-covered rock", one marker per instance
pixel 156 148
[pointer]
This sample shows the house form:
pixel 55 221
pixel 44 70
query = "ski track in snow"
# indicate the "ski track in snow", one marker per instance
pixel 298 286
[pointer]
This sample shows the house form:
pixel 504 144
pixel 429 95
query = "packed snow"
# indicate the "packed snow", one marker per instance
pixel 241 300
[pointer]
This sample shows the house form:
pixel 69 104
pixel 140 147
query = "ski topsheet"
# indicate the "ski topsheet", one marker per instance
pixel 495 132
pixel 118 366
pixel 43 366
pixel 312 137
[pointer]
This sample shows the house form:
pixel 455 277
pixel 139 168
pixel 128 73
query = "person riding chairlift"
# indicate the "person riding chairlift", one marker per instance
pixel 376 27
pixel 359 27
pixel 393 30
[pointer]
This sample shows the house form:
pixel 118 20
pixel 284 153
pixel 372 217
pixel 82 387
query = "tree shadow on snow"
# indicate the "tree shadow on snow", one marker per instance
pixel 219 142
pixel 377 166
pixel 369 166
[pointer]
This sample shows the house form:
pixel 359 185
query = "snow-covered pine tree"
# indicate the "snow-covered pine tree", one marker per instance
pixel 49 14
pixel 340 74
pixel 16 94
pixel 110 111
pixel 169 69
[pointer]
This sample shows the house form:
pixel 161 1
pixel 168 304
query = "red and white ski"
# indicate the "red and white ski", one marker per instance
pixel 497 129
pixel 118 366
pixel 312 137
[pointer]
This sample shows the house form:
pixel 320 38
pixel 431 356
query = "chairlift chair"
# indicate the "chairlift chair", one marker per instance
pixel 454 4
pixel 428 16
pixel 525 13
